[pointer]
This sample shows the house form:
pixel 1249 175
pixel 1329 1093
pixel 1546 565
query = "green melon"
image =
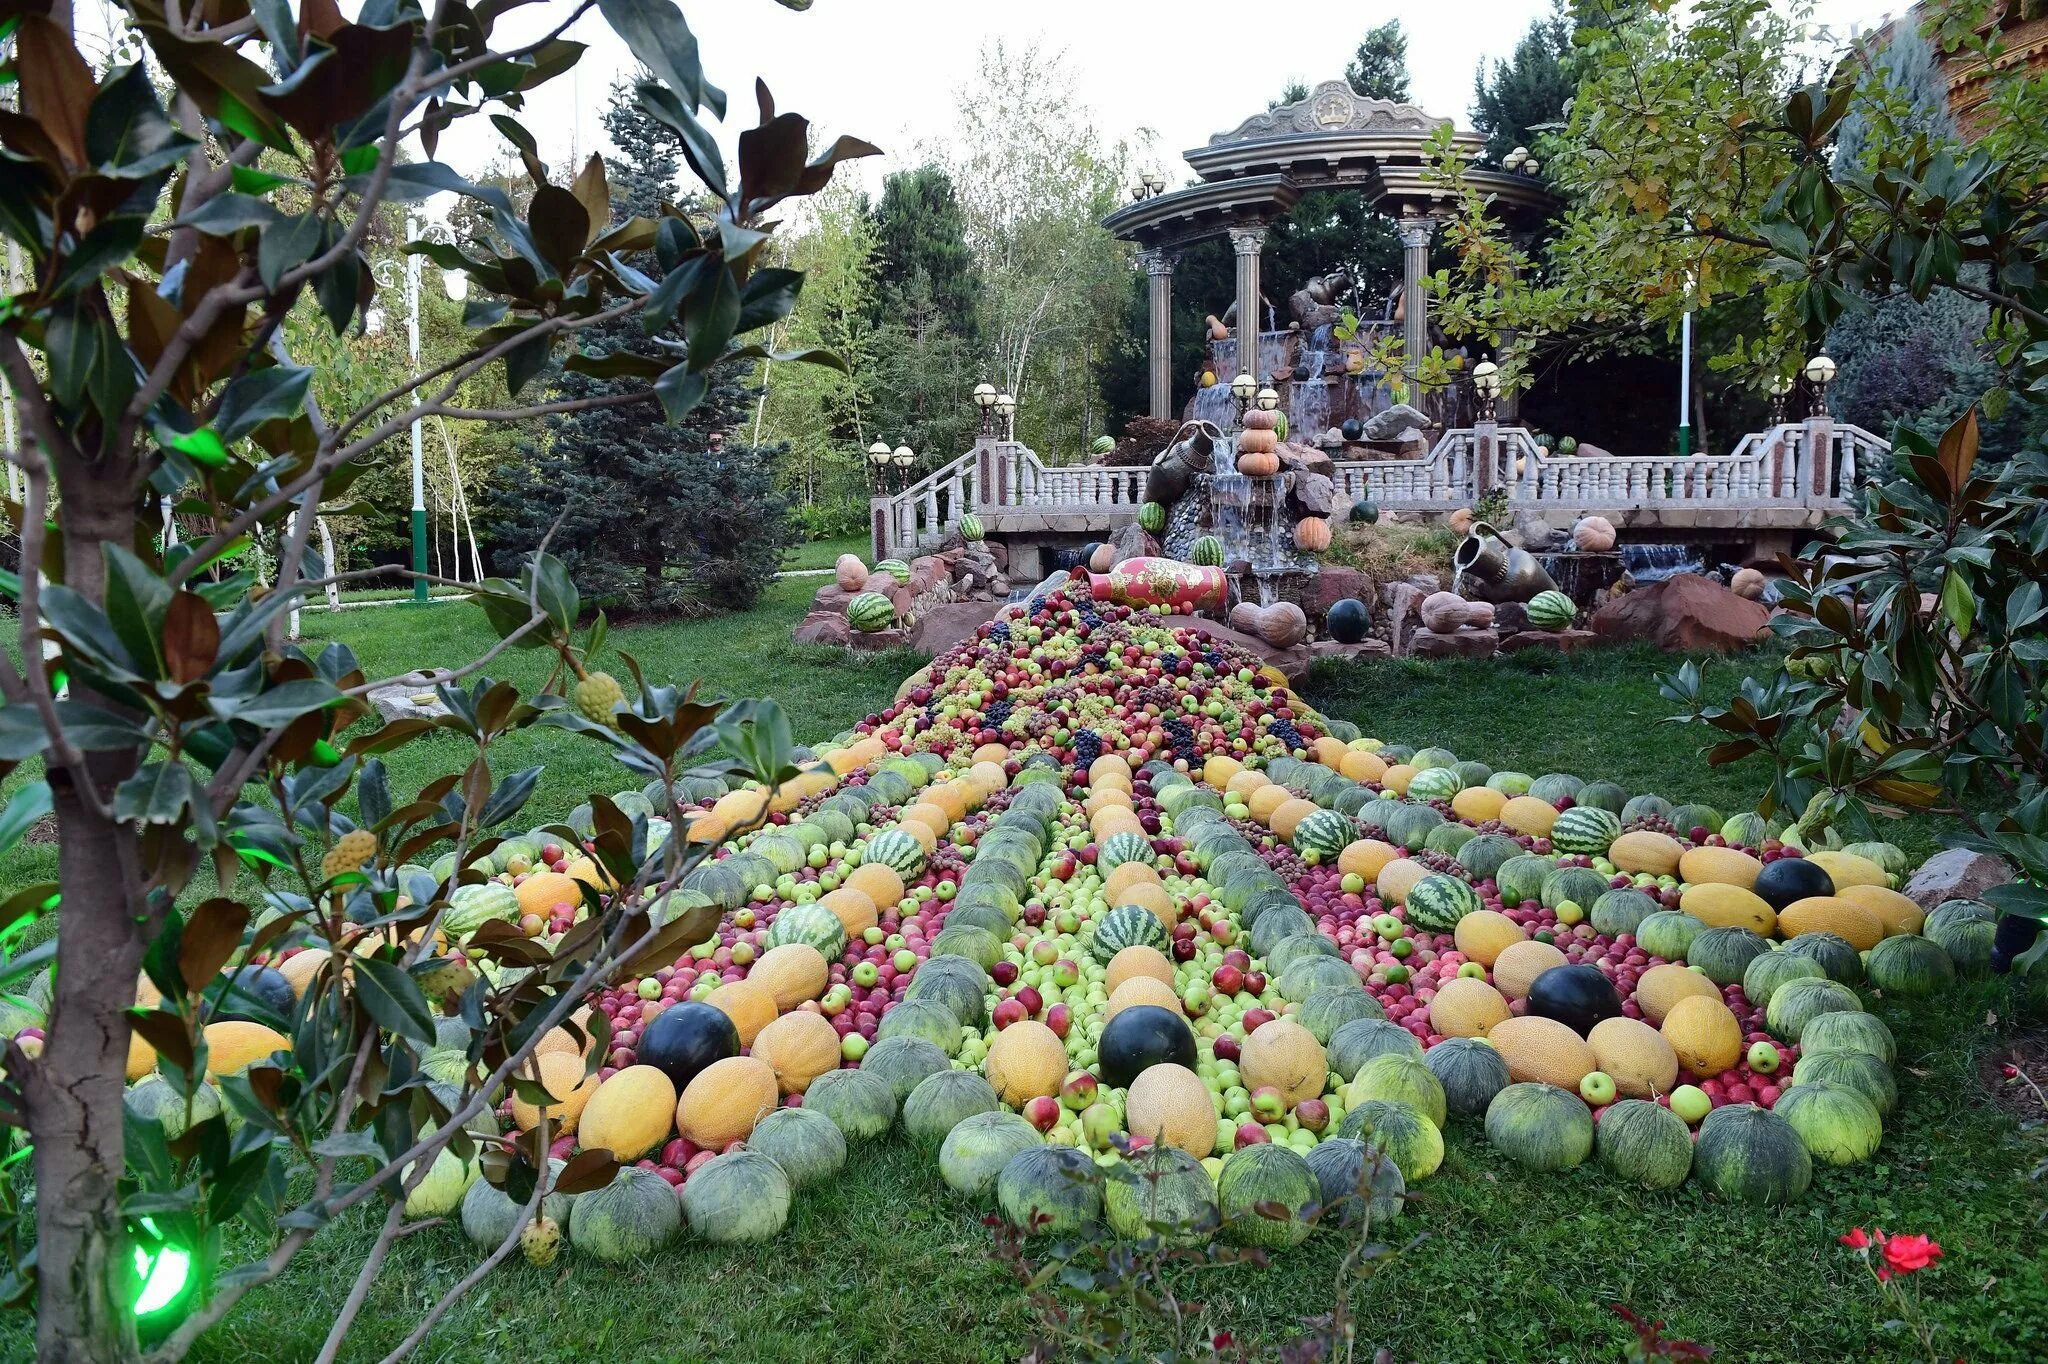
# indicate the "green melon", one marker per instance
pixel 1581 885
pixel 1724 954
pixel 1161 1191
pixel 1799 1001
pixel 1686 818
pixel 1118 849
pixel 903 1063
pixel 1470 1071
pixel 1556 786
pixel 1772 971
pixel 1429 759
pixel 1511 783
pixel 1836 955
pixel 1330 1007
pixel 1602 795
pixel 1847 1031
pixel 1838 1124
pixel 859 1102
pixel 1485 854
pixel 488 1213
pixel 1910 967
pixel 1438 901
pixel 636 1214
pixel 1259 1182
pixel 1621 911
pixel 1584 829
pixel 1857 1070
pixel 1748 1154
pixel 1409 825
pixel 1746 830
pixel 1644 1143
pixel 1965 930
pixel 1310 974
pixel 1406 1137
pixel 738 1197
pixel 1354 1179
pixel 959 983
pixel 978 945
pixel 155 1099
pixel 1294 947
pixel 1541 1126
pixel 923 1019
pixel 1207 551
pixel 1520 879
pixel 942 1101
pixel 1668 933
pixel 1645 807
pixel 1359 1041
pixel 1050 1191
pixel 1400 1079
pixel 974 1153
pixel 807 1144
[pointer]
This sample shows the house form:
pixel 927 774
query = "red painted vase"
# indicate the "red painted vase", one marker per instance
pixel 1162 582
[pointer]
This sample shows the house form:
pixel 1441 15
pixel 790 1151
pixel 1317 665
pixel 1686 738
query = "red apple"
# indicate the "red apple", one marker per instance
pixel 1254 1019
pixel 1227 979
pixel 1227 1048
pixel 1251 1134
pixel 1043 1112
pixel 1312 1114
pixel 1010 1011
pixel 1059 1018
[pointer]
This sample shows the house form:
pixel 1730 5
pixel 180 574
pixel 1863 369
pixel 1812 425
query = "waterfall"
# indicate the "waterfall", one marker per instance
pixel 1214 404
pixel 1655 563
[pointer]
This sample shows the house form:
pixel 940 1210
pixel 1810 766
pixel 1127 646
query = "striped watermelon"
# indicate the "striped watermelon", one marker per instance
pixel 895 568
pixel 810 923
pixel 1552 611
pixel 869 612
pixel 1207 551
pixel 1584 829
pixel 1152 517
pixel 897 851
pixel 970 527
pixel 1324 834
pixel 1118 849
pixel 1437 902
pixel 1126 926
pixel 1435 783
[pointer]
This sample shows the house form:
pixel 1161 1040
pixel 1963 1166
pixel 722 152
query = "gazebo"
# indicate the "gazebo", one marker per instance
pixel 1255 174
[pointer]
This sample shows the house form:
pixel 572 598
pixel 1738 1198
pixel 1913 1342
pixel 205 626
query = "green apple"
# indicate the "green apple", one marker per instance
pixel 1597 1088
pixel 1764 1057
pixel 1691 1103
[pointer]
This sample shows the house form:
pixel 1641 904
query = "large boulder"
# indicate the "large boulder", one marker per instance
pixel 1308 459
pixel 1563 641
pixel 832 600
pixel 1956 874
pixel 1313 494
pixel 1684 614
pixel 1393 423
pixel 1460 644
pixel 1131 542
pixel 1334 583
pixel 939 628
pixel 823 627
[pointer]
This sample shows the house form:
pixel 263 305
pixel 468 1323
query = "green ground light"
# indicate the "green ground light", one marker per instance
pixel 165 1270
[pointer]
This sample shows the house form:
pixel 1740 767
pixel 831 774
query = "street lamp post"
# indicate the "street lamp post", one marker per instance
pixel 985 399
pixel 1820 372
pixel 1243 388
pixel 878 467
pixel 1781 393
pixel 456 284
pixel 903 459
pixel 1486 387
pixel 1006 411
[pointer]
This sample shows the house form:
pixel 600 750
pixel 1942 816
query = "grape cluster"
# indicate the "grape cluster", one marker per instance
pixel 1654 824
pixel 1000 632
pixel 1087 748
pixel 1182 736
pixel 1287 734
pixel 997 715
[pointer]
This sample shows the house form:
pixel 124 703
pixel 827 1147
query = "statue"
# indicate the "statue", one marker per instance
pixel 1314 306
pixel 1230 313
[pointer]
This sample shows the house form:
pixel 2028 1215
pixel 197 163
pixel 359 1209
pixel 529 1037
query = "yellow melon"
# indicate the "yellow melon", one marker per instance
pixel 1111 781
pixel 587 870
pixel 724 1100
pixel 955 798
pixel 559 1042
pixel 1286 1056
pixel 1478 804
pixel 1465 1007
pixel 1397 777
pixel 1328 751
pixel 1103 799
pixel 1134 961
pixel 702 828
pixel 300 968
pixel 1659 989
pixel 1290 815
pixel 1646 850
pixel 1245 782
pixel 842 760
pixel 1894 911
pixel 749 1005
pixel 561 1074
pixel 1218 770
pixel 1267 800
pixel 792 973
pixel 631 1113
pixel 1361 766
pixel 987 773
pixel 1722 904
pixel 233 1047
pixel 1026 1061
pixel 1366 858
pixel 1545 1050
pixel 865 750
pixel 1152 897
pixel 878 882
pixel 853 907
pixel 1518 965
pixel 934 818
pixel 1170 1104
pixel 1114 764
pixel 921 829
pixel 1484 934
pixel 1848 869
pixel 1704 1033
pixel 542 891
pixel 1113 819
pixel 1140 989
pixel 1832 914
pixel 1528 815
pixel 799 1047
pixel 141 1057
pixel 1636 1055
pixel 1125 875
pixel 147 996
pixel 742 808
pixel 1718 866
pixel 1397 878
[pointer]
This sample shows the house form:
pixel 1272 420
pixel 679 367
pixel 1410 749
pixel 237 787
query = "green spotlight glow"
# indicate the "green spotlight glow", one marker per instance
pixel 164 1274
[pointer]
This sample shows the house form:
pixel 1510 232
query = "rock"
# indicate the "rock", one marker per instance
pixel 1131 542
pixel 941 627
pixel 1307 459
pixel 833 600
pixel 823 627
pixel 1334 583
pixel 1312 495
pixel 1510 618
pixel 1564 641
pixel 1425 583
pixel 399 700
pixel 1534 533
pixel 1404 601
pixel 1393 423
pixel 1365 648
pixel 1685 613
pixel 1587 450
pixel 1956 874
pixel 897 638
pixel 926 573
pixel 880 581
pixel 1461 644
pixel 999 552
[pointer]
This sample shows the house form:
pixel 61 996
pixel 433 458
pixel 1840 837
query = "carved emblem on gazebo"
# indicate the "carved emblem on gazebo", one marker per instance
pixel 1331 107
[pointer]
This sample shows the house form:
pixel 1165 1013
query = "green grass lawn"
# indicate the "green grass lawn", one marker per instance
pixel 1511 1266
pixel 825 553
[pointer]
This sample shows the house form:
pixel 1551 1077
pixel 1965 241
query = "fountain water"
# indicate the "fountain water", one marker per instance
pixel 1655 563
pixel 1214 404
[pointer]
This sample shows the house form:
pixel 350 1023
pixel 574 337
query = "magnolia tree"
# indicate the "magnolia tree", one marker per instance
pixel 198 763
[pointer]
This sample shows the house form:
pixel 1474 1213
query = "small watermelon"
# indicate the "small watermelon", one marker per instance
pixel 1585 829
pixel 1118 849
pixel 1324 834
pixel 1552 611
pixel 870 612
pixel 809 922
pixel 1126 926
pixel 1151 517
pixel 1438 901
pixel 1435 783
pixel 1258 1184
pixel 971 528
pixel 896 850
pixel 1644 1143
pixel 1207 552
pixel 895 568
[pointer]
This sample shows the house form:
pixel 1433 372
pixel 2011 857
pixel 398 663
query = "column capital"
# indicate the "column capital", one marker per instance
pixel 1248 239
pixel 1158 261
pixel 1417 232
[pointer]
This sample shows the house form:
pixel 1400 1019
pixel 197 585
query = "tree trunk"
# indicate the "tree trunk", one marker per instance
pixel 85 1278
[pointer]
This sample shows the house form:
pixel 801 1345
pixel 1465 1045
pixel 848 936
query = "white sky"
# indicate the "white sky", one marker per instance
pixel 891 70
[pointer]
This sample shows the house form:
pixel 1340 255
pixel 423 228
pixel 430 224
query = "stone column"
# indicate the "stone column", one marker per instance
pixel 1415 238
pixel 1159 275
pixel 1247 242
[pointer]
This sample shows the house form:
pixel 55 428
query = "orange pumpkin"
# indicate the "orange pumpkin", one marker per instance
pixel 1255 442
pixel 1312 533
pixel 1255 465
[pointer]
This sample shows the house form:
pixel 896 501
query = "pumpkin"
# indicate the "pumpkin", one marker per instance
pixel 850 573
pixel 792 973
pixel 630 1114
pixel 1593 535
pixel 798 1047
pixel 1259 419
pixel 1254 464
pixel 725 1100
pixel 561 1075
pixel 1312 533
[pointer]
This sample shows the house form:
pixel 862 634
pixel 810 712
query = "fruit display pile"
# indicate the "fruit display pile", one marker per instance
pixel 1098 891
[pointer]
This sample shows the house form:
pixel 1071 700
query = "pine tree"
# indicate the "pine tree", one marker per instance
pixel 1529 89
pixel 1379 69
pixel 1903 92
pixel 654 517
pixel 921 252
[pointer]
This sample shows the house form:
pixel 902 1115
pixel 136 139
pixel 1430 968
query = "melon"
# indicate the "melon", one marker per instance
pixel 1708 865
pixel 1286 1056
pixel 1586 829
pixel 1267 1196
pixel 1860 927
pixel 942 1100
pixel 1470 1071
pixel 1705 1033
pixel 725 1100
pixel 632 1112
pixel 233 1046
pixel 1838 1124
pixel 1484 934
pixel 1466 1007
pixel 1847 1031
pixel 1399 1079
pixel 1050 1191
pixel 1621 911
pixel 962 986
pixel 1845 868
pixel 1294 947
pixel 1723 954
pixel 1857 1071
pixel 924 1019
pixel 1638 1058
pixel 1836 958
pixel 1747 1154
pixel 974 1153
pixel 1357 1042
pixel 1027 1060
pixel 488 1213
pixel 1719 904
pixel 798 1047
pixel 1397 878
pixel 1529 814
pixel 738 1197
pixel 1403 1135
pixel 1581 885
pixel 561 1075
pixel 859 1102
pixel 855 909
pixel 1486 854
pixel 157 1100
pixel 1668 934
pixel 1170 1104
pixel 1797 1003
pixel 1659 989
pixel 1898 914
pixel 1133 992
pixel 1770 972
pixel 1479 804
pixel 1644 1143
pixel 1540 1125
pixel 751 1007
pixel 634 1215
pixel 1366 858
pixel 1966 930
pixel 1163 1192
pixel 1646 850
pixel 1517 968
pixel 1910 967
pixel 1520 879
pixel 1545 1050
pixel 1330 1007
pixel 807 1144
pixel 1355 1182
pixel 1602 795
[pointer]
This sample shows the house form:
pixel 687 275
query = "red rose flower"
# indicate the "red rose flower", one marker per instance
pixel 1856 1239
pixel 1907 1254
